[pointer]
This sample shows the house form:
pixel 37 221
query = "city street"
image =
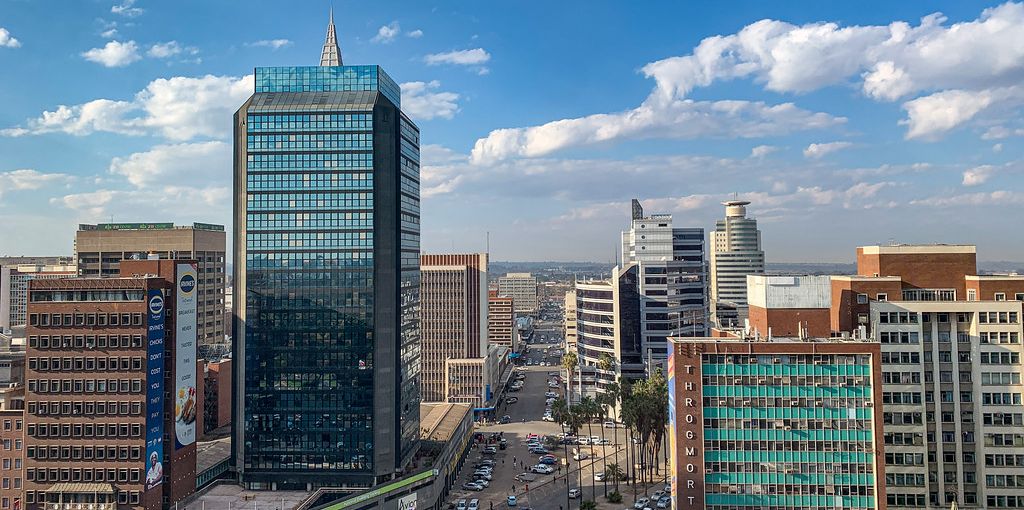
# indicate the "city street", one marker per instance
pixel 539 491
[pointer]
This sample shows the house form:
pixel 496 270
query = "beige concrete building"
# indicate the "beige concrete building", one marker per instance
pixel 453 328
pixel 522 288
pixel 99 249
pixel 501 322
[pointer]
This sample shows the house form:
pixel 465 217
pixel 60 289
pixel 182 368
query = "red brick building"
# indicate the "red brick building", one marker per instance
pixel 12 448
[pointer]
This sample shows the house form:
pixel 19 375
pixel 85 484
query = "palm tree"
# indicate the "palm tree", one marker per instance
pixel 589 410
pixel 569 363
pixel 605 363
pixel 611 394
pixel 576 421
pixel 560 412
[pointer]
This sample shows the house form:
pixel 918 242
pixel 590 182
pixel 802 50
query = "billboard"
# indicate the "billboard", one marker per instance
pixel 672 452
pixel 155 389
pixel 185 401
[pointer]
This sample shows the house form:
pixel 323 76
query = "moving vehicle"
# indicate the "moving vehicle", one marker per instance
pixel 575 493
pixel 641 503
pixel 598 477
pixel 505 419
pixel 580 456
pixel 542 469
pixel 503 444
pixel 548 417
pixel 511 500
pixel 511 400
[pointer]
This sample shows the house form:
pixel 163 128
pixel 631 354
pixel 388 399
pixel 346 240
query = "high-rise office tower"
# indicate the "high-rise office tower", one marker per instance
pixel 501 322
pixel 326 289
pixel 453 327
pixel 609 341
pixel 672 279
pixel 951 348
pixel 111 401
pixel 522 288
pixel 99 249
pixel 14 280
pixel 735 252
pixel 786 423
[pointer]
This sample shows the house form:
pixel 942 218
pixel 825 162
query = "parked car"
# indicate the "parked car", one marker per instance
pixel 599 477
pixel 609 425
pixel 575 493
pixel 461 505
pixel 472 486
pixel 502 444
pixel 641 503
pixel 482 481
pixel 551 394
pixel 542 469
pixel 540 450
pixel 505 419
pixel 482 476
pixel 547 460
pixel 485 462
pixel 490 450
pixel 548 417
pixel 511 400
pixel 583 440
pixel 511 500
pixel 474 504
pixel 665 502
pixel 580 456
pixel 657 495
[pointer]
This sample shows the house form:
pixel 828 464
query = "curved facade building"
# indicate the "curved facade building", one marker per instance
pixel 608 325
pixel 735 253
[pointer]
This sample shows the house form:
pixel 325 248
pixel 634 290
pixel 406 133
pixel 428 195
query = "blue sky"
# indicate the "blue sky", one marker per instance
pixel 844 124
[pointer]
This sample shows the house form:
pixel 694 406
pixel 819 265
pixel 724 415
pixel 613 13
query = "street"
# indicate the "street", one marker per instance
pixel 539 491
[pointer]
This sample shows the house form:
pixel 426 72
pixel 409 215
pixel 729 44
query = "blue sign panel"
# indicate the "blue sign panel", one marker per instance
pixel 155 390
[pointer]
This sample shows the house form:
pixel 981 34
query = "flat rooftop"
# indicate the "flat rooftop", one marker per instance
pixel 439 421
pixel 228 496
pixel 211 453
pixel 907 249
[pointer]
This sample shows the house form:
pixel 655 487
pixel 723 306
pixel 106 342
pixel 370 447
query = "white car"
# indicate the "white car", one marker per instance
pixel 657 495
pixel 609 425
pixel 641 503
pixel 583 440
pixel 474 504
pixel 580 456
pixel 461 505
pixel 599 477
pixel 551 394
pixel 575 493
pixel 665 502
pixel 542 469
pixel 548 417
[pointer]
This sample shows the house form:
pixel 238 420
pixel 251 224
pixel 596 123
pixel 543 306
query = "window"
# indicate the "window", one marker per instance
pixel 972 295
pixel 862 299
pixel 1000 296
pixel 882 296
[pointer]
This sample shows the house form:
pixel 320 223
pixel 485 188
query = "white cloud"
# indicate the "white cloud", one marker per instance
pixel 173 164
pixel 415 34
pixel 208 204
pixel 675 119
pixel 274 44
pixel 997 148
pixel 178 108
pixel 929 117
pixel 164 50
pixel 7 40
pixel 109 33
pixel 972 200
pixel 819 150
pixel 1000 132
pixel 127 8
pixel 978 175
pixel 472 57
pixel 387 33
pixel 114 54
pixel 421 101
pixel 28 179
pixel 762 150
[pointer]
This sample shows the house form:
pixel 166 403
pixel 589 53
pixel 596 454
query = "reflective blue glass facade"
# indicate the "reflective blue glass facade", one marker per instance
pixel 327 279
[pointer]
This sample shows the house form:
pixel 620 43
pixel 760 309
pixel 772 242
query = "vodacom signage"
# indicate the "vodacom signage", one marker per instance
pixel 686 442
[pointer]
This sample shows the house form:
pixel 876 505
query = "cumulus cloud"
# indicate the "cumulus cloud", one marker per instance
pixel 28 179
pixel 178 108
pixel 211 203
pixel 473 57
pixel 762 150
pixel 414 34
pixel 422 101
pixel 819 150
pixel 1001 197
pixel 274 44
pixel 959 70
pixel 7 40
pixel 679 119
pixel 1000 132
pixel 387 33
pixel 114 54
pixel 175 163
pixel 164 50
pixel 127 8
pixel 978 175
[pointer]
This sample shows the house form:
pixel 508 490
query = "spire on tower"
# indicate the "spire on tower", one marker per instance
pixel 331 54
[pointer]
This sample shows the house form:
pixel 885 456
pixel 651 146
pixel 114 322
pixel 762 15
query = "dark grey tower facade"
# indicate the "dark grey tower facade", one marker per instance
pixel 326 264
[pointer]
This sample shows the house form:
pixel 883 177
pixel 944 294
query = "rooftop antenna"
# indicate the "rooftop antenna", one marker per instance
pixel 488 242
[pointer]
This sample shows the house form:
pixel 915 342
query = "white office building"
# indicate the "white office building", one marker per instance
pixel 522 288
pixel 735 252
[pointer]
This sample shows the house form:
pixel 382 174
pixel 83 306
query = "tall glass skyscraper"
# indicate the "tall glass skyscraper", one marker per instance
pixel 326 264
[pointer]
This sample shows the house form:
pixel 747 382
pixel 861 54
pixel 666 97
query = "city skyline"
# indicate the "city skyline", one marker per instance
pixel 895 117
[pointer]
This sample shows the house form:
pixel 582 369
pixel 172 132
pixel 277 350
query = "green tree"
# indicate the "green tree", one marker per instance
pixel 611 400
pixel 589 410
pixel 569 362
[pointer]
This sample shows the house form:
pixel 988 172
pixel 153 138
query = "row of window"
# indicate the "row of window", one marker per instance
pixel 86 430
pixel 123 497
pixel 300 181
pixel 308 220
pixel 316 160
pixel 318 141
pixel 122 475
pixel 998 317
pixel 80 363
pixel 84 452
pixel 87 408
pixel 84 319
pixel 318 121
pixel 68 386
pixel 61 296
pixel 310 201
pixel 1002 419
